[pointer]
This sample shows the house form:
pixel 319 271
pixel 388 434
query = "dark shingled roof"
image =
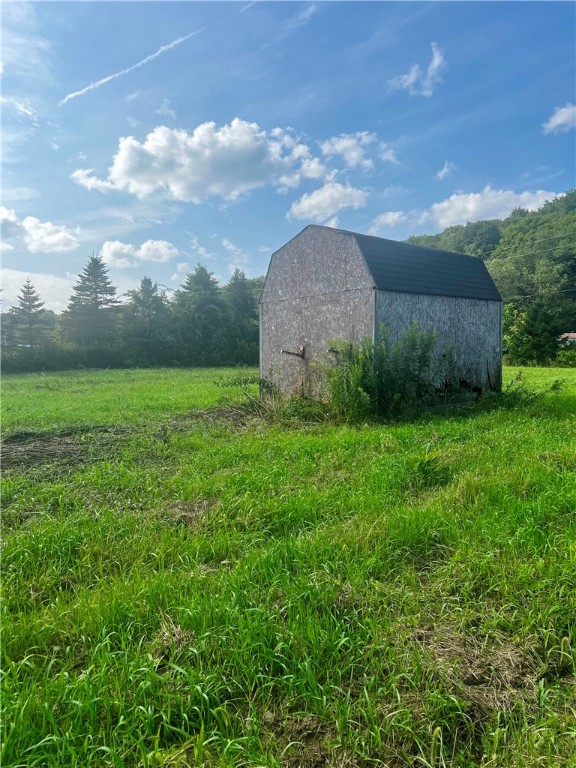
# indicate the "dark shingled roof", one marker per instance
pixel 407 268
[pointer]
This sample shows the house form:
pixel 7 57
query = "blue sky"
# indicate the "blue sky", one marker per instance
pixel 164 134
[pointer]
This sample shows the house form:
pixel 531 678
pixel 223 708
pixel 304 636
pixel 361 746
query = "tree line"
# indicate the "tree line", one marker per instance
pixel 530 255
pixel 201 324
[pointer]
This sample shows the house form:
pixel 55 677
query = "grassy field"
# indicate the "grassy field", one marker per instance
pixel 192 585
pixel 49 401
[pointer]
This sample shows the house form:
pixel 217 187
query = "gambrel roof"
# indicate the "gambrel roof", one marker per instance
pixel 406 268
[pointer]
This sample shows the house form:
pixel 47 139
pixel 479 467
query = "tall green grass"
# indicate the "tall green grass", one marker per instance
pixel 221 591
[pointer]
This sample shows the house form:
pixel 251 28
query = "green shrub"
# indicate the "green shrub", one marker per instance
pixel 377 379
pixel 566 358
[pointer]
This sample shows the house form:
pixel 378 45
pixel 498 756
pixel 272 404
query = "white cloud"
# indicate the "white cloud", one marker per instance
pixel 386 220
pixel 487 204
pixel 127 256
pixel 239 259
pixel 324 203
pixel 119 255
pixel 45 237
pixel 8 214
pixel 165 109
pixel 394 192
pixel 445 171
pixel 387 154
pixel 310 168
pixel 20 107
pixel 417 82
pixel 182 268
pixel 9 227
pixel 83 177
pixel 351 147
pixel 157 250
pixel 313 168
pixel 54 291
pixel 296 159
pixel 562 119
pixel 209 162
pixel 200 251
pixel 231 248
pixel 39 236
pixel 20 124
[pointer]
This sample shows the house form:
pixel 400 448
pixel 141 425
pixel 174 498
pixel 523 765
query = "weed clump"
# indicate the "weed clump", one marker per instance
pixel 380 379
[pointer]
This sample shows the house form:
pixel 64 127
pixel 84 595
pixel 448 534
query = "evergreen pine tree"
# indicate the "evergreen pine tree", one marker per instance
pixel 89 319
pixel 201 318
pixel 243 316
pixel 145 325
pixel 28 324
pixel 27 317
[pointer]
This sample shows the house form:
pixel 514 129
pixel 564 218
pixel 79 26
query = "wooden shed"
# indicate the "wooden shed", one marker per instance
pixel 327 284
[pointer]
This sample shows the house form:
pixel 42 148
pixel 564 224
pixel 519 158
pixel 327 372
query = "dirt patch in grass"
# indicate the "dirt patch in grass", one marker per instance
pixel 170 640
pixel 302 741
pixel 229 416
pixel 190 513
pixel 77 445
pixel 487 675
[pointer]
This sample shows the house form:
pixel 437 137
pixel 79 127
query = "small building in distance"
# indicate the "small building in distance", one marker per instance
pixel 327 284
pixel 567 340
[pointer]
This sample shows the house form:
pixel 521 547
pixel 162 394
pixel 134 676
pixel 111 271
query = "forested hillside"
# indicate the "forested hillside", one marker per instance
pixel 532 258
pixel 530 255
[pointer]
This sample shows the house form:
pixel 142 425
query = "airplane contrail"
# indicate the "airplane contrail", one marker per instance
pixel 107 79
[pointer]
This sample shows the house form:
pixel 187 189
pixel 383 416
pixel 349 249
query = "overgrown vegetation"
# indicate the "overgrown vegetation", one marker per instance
pixel 187 584
pixel 377 379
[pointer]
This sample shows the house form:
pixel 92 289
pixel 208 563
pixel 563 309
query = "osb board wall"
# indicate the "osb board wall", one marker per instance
pixel 317 289
pixel 470 327
pixel 315 262
pixel 311 322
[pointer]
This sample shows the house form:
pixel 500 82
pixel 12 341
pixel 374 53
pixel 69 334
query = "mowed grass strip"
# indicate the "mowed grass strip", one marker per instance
pixel 208 592
pixel 55 401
